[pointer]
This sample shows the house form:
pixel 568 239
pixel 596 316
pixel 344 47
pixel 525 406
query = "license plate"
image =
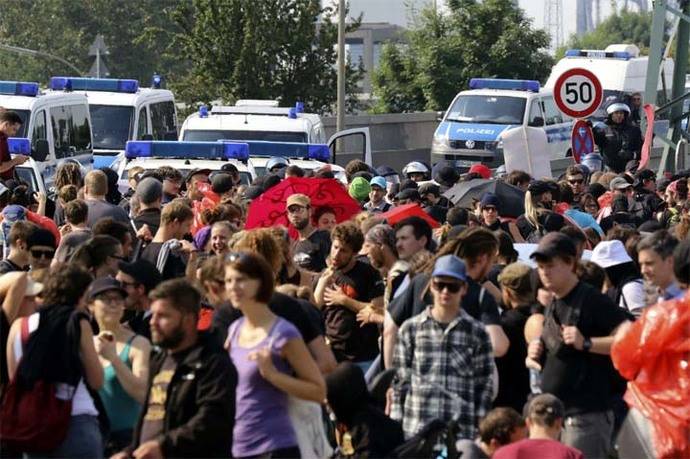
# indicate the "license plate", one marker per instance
pixel 463 163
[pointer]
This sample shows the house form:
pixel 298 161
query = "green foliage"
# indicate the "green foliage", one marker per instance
pixel 263 49
pixel 625 27
pixel 491 38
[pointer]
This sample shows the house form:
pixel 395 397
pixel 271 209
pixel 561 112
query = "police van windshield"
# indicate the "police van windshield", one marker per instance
pixel 268 136
pixel 111 126
pixel 488 109
pixel 24 115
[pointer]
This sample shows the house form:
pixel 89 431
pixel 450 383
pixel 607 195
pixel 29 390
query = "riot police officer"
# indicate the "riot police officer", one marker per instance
pixel 619 140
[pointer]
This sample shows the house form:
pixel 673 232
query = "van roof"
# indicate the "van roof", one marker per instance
pixel 123 98
pixel 227 122
pixel 502 92
pixel 27 103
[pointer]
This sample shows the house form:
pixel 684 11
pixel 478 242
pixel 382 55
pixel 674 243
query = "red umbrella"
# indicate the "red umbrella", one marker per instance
pixel 399 213
pixel 269 208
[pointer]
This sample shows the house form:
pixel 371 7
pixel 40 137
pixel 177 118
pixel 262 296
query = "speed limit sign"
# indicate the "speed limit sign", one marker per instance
pixel 578 93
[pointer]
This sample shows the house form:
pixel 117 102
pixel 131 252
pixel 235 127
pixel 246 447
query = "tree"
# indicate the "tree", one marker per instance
pixel 489 38
pixel 624 27
pixel 266 49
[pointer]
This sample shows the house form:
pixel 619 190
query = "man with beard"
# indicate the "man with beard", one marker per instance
pixel 345 289
pixel 312 245
pixel 190 406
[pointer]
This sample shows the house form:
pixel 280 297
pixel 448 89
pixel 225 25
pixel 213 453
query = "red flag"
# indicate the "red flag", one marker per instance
pixel 648 134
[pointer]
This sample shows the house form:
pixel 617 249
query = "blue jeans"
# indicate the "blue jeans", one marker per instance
pixel 83 440
pixel 364 365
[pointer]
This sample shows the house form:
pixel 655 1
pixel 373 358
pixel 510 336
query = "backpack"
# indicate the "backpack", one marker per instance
pixel 34 419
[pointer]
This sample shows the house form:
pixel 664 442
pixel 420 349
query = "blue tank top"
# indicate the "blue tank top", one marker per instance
pixel 123 410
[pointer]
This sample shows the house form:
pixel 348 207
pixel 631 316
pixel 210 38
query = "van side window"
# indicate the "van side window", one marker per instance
pixel 40 131
pixel 163 122
pixel 535 114
pixel 71 130
pixel 551 113
pixel 141 127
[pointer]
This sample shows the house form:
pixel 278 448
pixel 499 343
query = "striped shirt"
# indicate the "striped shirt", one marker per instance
pixel 443 372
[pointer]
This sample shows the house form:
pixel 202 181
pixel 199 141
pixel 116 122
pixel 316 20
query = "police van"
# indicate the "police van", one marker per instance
pixel 620 69
pixel 470 130
pixel 264 120
pixel 58 126
pixel 121 110
pixel 183 156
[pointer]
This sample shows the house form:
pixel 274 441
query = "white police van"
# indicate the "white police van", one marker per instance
pixel 470 131
pixel 264 120
pixel 121 110
pixel 620 69
pixel 58 126
pixel 183 156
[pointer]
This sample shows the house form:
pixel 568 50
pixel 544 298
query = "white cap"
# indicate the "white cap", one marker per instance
pixel 610 253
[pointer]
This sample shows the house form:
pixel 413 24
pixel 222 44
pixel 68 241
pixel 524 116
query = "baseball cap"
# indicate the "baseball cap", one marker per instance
pixel 142 271
pixel 516 276
pixel 619 183
pixel 553 244
pixel 196 171
pixel 409 193
pixel 644 174
pixel 359 188
pixel 149 190
pixel 610 253
pixel 489 199
pixel 104 284
pixel 450 266
pixel 229 167
pixel 378 181
pixel 480 169
pixel 221 183
pixel 544 404
pixel 298 199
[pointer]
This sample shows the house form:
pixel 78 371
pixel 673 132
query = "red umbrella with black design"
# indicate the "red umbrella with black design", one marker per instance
pixel 269 208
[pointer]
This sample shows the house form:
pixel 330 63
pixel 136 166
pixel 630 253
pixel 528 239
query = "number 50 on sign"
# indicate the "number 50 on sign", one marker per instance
pixel 578 93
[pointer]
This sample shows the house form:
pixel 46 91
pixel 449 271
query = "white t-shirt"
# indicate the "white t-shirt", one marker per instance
pixel 82 403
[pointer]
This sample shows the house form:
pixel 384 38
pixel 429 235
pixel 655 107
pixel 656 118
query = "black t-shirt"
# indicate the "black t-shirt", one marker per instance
pixel 152 424
pixel 150 217
pixel 582 380
pixel 174 267
pixel 282 305
pixel 8 266
pixel 348 338
pixel 513 376
pixel 414 300
pixel 4 336
pixel 316 247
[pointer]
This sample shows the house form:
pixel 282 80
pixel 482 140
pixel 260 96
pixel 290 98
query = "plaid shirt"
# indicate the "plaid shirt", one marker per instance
pixel 442 374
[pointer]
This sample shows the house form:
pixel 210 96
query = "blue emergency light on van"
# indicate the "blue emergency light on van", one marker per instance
pixel 316 151
pixel 19 88
pixel 93 84
pixel 19 146
pixel 191 150
pixel 599 54
pixel 501 83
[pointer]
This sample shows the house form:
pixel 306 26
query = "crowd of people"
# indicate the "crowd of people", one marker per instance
pixel 154 324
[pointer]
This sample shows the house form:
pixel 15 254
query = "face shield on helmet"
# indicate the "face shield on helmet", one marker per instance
pixel 415 167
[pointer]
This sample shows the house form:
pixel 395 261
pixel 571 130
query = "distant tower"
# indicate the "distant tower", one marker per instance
pixel 585 22
pixel 553 22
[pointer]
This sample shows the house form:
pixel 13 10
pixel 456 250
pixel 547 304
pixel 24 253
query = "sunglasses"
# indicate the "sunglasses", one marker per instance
pixel 576 181
pixel 37 253
pixel 452 287
pixel 489 208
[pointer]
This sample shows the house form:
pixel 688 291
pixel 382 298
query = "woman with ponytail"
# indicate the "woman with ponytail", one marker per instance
pixel 100 255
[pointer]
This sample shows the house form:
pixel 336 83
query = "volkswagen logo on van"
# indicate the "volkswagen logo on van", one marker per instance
pixel 469 144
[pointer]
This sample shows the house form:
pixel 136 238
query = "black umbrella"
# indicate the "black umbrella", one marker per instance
pixel 511 198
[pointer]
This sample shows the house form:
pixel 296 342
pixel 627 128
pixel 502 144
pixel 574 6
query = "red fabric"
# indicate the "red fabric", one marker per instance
pixel 653 356
pixel 205 318
pixel 648 136
pixel 269 208
pixel 537 448
pixel 399 213
pixel 5 157
pixel 482 170
pixel 45 223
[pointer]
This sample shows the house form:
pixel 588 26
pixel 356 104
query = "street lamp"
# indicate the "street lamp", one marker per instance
pixel 31 52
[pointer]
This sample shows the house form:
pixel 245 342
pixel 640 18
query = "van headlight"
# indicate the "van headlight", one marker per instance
pixel 440 141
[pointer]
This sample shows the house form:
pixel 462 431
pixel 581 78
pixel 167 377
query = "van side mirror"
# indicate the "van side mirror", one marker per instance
pixel 147 137
pixel 440 115
pixel 537 121
pixel 40 150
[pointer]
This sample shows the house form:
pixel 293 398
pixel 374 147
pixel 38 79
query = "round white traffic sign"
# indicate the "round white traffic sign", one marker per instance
pixel 578 93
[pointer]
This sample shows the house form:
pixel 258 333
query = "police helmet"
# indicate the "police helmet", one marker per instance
pixel 276 161
pixel 617 107
pixel 415 167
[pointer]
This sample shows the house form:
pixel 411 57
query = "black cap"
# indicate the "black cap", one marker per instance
pixel 409 193
pixel 193 172
pixel 643 174
pixel 385 171
pixel 554 244
pixel 229 167
pixel 104 284
pixel 222 183
pixel 445 174
pixel 538 187
pixel 143 272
